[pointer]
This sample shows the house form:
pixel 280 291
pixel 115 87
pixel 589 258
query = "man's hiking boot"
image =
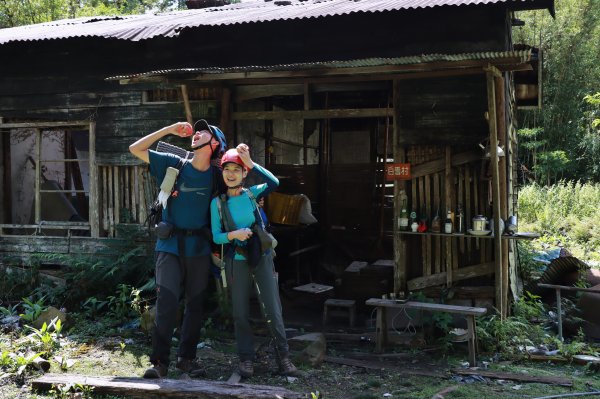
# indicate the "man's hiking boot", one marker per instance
pixel 156 371
pixel 286 367
pixel 190 366
pixel 246 368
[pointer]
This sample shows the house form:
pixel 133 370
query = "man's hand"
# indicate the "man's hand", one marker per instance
pixel 182 129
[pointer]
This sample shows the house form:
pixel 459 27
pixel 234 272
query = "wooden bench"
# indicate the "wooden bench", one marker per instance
pixel 381 329
pixel 348 304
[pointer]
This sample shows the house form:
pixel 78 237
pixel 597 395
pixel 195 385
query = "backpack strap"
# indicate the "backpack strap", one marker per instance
pixel 257 215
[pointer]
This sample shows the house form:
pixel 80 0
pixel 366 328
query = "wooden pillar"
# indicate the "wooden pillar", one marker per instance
pixel 400 261
pixel 38 176
pixel 502 177
pixel 225 121
pixel 94 213
pixel 491 73
pixel 186 105
pixel 448 186
pixel 6 178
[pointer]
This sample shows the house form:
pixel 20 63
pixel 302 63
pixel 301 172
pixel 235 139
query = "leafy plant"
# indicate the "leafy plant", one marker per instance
pixel 47 337
pixel 92 307
pixel 10 310
pixel 120 304
pixel 32 310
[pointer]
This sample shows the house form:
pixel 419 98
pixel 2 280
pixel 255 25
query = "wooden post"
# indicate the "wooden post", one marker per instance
pixel 491 72
pixel 225 121
pixel 6 178
pixel 502 177
pixel 38 176
pixel 400 260
pixel 186 105
pixel 94 200
pixel 448 201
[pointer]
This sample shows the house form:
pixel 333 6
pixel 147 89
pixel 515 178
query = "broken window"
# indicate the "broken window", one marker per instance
pixel 46 178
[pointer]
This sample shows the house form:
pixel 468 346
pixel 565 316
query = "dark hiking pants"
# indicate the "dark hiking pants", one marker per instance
pixel 242 281
pixel 174 278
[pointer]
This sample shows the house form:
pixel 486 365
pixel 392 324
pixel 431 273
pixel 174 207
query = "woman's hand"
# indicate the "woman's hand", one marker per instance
pixel 240 234
pixel 244 152
pixel 181 129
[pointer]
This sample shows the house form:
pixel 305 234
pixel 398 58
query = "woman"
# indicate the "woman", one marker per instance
pixel 232 215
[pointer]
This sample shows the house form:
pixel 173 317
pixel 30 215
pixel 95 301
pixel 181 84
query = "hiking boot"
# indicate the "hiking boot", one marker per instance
pixel 156 371
pixel 246 368
pixel 190 366
pixel 286 367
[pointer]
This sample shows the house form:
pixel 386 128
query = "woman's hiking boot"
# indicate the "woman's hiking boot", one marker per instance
pixel 286 367
pixel 246 368
pixel 191 367
pixel 156 371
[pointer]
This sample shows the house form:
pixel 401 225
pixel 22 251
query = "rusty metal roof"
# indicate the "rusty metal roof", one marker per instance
pixel 368 64
pixel 170 24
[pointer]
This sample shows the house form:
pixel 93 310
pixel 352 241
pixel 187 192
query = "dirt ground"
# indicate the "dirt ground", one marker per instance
pixel 101 349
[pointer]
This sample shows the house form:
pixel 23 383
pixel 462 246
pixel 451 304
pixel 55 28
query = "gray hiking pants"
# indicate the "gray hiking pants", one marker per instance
pixel 241 280
pixel 174 277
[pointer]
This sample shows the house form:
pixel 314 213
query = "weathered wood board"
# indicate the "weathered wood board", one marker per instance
pixel 133 387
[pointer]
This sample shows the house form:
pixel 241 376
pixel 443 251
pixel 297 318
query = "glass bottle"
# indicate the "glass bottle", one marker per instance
pixel 436 222
pixel 448 225
pixel 460 222
pixel 403 219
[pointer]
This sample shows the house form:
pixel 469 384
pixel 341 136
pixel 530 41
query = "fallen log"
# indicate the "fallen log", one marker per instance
pixel 133 387
pixel 517 377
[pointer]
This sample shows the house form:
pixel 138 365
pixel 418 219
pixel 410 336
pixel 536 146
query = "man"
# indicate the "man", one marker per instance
pixel 183 246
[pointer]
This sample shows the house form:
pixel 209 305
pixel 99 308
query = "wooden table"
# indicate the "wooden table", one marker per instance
pixel 469 312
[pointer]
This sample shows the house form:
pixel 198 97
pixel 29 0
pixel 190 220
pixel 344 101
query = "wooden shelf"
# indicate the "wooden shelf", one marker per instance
pixel 528 236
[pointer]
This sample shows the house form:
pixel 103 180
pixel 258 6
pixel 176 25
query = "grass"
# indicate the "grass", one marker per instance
pixel 565 214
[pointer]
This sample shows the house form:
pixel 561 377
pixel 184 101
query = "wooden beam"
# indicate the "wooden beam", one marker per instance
pixel 165 388
pixel 38 176
pixel 508 63
pixel 94 194
pixel 314 114
pixel 400 258
pixel 502 177
pixel 43 125
pixel 225 110
pixel 493 134
pixel 186 105
pixel 459 274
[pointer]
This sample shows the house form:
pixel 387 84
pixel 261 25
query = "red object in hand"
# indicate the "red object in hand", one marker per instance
pixel 186 129
pixel 174 194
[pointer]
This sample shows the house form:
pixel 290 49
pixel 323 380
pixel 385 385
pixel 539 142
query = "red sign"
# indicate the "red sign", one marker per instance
pixel 397 171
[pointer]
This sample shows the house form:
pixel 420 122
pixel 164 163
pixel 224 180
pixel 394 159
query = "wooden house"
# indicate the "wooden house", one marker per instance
pixel 331 95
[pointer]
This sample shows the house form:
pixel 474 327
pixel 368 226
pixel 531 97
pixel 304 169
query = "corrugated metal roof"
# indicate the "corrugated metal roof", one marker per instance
pixel 514 57
pixel 169 24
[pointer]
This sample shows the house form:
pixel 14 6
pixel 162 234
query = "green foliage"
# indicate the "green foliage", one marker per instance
pixel 25 12
pixel 566 214
pixel 120 304
pixel 31 309
pixel 524 327
pixel 72 390
pixel 566 143
pixel 46 339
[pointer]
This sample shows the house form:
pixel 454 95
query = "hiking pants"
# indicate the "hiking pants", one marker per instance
pixel 174 277
pixel 241 281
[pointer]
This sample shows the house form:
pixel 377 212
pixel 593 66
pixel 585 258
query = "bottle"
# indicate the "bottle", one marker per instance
pixel 460 223
pixel 448 223
pixel 403 219
pixel 436 222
